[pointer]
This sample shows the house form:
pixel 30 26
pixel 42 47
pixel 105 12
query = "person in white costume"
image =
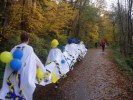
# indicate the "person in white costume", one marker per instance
pixel 71 50
pixel 68 58
pixel 55 55
pixel 76 49
pixel 27 73
pixel 83 48
pixel 79 47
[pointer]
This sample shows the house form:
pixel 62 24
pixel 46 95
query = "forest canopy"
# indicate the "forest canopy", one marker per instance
pixel 45 20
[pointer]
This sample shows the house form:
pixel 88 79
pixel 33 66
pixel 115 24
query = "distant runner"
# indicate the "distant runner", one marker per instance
pixel 103 43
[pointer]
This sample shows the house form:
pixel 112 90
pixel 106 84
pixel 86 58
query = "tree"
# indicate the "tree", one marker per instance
pixel 123 24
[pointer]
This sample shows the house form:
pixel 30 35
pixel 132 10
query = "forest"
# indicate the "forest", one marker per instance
pixel 48 19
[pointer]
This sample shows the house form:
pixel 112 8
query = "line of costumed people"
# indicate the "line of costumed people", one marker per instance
pixel 24 69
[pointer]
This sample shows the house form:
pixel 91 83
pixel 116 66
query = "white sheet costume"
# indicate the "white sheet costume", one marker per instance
pixel 71 49
pixel 68 58
pixel 84 50
pixel 28 74
pixel 55 55
pixel 57 64
pixel 80 51
pixel 77 50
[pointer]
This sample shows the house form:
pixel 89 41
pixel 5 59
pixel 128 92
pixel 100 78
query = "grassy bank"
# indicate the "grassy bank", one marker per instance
pixel 125 63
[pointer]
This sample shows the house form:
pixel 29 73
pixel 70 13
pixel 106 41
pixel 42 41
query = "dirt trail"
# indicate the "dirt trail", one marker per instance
pixel 94 78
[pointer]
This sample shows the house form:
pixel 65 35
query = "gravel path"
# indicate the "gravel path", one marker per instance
pixel 94 78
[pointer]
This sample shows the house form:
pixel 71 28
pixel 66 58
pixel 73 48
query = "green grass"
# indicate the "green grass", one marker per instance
pixel 125 63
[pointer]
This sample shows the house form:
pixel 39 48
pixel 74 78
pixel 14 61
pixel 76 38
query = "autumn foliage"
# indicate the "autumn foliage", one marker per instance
pixel 48 19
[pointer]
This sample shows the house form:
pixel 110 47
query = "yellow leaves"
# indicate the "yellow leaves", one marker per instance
pixel 16 13
pixel 47 17
pixel 94 36
pixel 57 16
pixel 93 31
pixel 34 19
pixel 45 2
pixel 108 30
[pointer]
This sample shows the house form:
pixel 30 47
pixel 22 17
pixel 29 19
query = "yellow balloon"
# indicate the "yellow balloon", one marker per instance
pixel 39 75
pixel 81 42
pixel 54 43
pixel 6 57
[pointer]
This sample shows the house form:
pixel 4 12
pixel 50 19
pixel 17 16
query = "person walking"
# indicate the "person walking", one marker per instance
pixel 20 84
pixel 103 43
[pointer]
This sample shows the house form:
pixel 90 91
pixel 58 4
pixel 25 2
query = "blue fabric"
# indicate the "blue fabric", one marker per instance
pixel 78 41
pixel 62 61
pixel 68 59
pixel 19 80
pixel 70 41
pixel 11 94
pixel 48 71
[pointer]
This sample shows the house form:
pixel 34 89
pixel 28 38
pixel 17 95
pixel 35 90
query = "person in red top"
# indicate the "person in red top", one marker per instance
pixel 103 43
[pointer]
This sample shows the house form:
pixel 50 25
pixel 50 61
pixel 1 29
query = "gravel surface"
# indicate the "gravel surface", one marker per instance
pixel 94 78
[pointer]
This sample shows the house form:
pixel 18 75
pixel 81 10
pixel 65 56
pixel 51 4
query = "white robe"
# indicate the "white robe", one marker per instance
pixel 28 73
pixel 55 54
pixel 71 49
pixel 84 50
pixel 77 50
pixel 68 58
pixel 80 51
